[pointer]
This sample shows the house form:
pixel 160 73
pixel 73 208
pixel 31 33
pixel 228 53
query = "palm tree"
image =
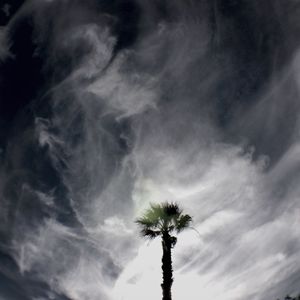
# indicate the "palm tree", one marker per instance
pixel 163 220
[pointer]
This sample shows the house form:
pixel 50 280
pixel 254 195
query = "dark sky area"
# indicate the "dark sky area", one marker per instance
pixel 108 105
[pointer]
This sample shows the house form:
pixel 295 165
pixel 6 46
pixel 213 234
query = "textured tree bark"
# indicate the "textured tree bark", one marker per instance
pixel 167 267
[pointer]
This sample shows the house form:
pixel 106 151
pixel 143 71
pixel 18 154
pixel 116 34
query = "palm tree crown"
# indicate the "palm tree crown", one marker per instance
pixel 163 218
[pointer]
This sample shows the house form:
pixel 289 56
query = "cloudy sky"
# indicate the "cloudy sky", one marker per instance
pixel 108 105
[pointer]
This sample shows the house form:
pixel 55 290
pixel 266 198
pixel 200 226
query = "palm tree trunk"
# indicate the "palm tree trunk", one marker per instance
pixel 167 267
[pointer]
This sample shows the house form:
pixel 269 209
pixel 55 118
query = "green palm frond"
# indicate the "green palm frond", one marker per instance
pixel 171 209
pixel 146 222
pixel 151 234
pixel 183 222
pixel 152 217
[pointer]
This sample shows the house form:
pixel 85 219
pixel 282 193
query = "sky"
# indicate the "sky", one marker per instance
pixel 109 105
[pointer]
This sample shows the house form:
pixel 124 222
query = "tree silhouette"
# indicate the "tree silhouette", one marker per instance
pixel 288 297
pixel 163 220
